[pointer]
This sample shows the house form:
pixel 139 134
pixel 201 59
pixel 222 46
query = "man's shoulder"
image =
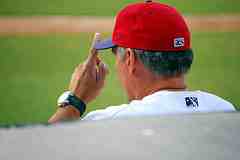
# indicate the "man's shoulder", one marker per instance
pixel 163 102
pixel 217 101
pixel 207 101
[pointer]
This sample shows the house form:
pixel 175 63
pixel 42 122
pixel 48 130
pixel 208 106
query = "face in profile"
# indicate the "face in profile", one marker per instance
pixel 124 74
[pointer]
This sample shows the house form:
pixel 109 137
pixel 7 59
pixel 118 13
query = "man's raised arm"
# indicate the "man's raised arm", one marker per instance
pixel 86 83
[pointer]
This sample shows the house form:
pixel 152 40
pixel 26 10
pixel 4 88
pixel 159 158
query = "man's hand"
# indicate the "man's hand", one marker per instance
pixel 86 83
pixel 88 78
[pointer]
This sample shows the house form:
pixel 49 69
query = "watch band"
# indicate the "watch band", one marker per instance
pixel 76 103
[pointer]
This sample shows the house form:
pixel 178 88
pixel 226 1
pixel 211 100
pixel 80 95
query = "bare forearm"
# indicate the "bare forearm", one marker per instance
pixel 66 113
pixel 86 83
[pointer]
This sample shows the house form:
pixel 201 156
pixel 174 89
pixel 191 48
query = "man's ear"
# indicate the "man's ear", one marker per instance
pixel 130 60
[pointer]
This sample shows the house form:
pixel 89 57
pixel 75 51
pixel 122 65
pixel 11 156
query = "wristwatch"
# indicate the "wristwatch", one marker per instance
pixel 68 98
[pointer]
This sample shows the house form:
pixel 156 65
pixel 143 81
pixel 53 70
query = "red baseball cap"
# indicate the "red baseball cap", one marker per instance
pixel 150 26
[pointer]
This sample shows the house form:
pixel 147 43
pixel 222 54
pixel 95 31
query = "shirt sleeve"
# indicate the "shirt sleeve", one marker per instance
pixel 104 114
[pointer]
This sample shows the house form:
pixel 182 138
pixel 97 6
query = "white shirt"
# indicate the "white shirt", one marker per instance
pixel 163 103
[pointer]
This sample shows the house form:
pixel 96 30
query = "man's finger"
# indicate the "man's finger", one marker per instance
pixel 103 71
pixel 93 52
pixel 96 38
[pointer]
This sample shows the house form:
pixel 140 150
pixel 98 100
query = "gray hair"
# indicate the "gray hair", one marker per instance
pixel 167 63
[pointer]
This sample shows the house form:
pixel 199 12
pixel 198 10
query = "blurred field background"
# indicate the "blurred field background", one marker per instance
pixel 35 69
pixel 108 7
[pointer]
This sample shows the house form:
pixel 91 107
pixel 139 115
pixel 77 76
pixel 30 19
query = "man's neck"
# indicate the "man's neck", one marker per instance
pixel 171 84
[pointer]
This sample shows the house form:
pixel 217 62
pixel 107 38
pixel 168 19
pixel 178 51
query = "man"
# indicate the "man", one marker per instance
pixel 151 42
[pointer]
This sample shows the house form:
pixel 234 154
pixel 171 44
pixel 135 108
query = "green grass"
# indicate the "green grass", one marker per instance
pixel 36 69
pixel 216 65
pixel 107 7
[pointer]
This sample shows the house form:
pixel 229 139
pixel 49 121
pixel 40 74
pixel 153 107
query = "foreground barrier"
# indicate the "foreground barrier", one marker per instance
pixel 181 137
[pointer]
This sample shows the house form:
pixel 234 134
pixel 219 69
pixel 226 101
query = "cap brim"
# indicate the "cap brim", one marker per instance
pixel 105 44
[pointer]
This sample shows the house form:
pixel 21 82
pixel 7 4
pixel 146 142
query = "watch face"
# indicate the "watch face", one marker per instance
pixel 63 98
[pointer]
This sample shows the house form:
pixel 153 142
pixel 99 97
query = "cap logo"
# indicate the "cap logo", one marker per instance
pixel 179 42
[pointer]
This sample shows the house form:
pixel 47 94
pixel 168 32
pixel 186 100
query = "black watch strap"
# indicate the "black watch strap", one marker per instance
pixel 77 103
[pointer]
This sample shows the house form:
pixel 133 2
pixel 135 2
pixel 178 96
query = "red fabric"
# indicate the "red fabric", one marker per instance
pixel 150 26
